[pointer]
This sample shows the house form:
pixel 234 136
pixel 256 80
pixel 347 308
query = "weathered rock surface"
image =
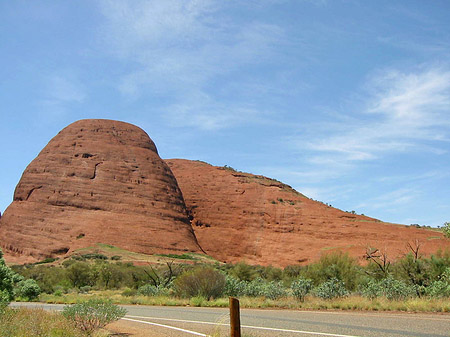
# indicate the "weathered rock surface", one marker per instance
pixel 238 216
pixel 96 181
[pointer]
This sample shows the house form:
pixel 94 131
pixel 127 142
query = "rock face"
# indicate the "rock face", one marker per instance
pixel 238 216
pixel 96 181
pixel 102 181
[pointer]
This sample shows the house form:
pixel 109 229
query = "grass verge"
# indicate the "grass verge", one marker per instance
pixel 37 323
pixel 310 303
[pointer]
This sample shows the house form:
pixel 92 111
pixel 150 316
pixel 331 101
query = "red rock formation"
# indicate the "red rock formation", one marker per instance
pixel 96 181
pixel 238 216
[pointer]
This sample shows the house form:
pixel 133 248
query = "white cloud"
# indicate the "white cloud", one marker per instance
pixel 403 111
pixel 178 49
pixel 392 199
pixel 62 89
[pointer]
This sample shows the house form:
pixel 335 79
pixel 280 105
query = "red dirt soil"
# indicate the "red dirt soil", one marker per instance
pixel 239 216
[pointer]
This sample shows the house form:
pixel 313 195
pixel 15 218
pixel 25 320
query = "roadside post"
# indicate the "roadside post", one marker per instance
pixel 235 318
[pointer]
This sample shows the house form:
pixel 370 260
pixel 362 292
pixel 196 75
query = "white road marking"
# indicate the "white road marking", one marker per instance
pixel 167 326
pixel 315 333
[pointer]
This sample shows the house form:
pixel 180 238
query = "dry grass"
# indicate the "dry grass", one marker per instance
pixel 37 323
pixel 310 303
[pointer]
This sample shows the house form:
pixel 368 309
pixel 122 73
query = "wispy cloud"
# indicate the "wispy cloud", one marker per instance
pixel 403 110
pixel 59 91
pixel 179 49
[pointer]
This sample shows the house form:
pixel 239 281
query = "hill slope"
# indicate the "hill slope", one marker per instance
pixel 239 216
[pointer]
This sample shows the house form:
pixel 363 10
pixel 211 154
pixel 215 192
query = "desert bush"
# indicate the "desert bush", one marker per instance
pixel 151 290
pixel 81 275
pixel 330 289
pixel 394 289
pixel 93 314
pixel 292 272
pixel 259 287
pixel 414 270
pixel 274 290
pixel 254 288
pixel 28 289
pixel 200 281
pixel 244 272
pixel 270 273
pixel 441 287
pixel 335 266
pixel 389 287
pixel 301 287
pixel 371 289
pixel 234 287
pixel 438 289
pixel 147 290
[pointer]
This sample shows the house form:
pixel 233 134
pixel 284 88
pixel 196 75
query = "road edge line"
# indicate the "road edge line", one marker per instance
pixel 166 326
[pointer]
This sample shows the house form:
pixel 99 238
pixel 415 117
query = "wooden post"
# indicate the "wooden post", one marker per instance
pixel 235 319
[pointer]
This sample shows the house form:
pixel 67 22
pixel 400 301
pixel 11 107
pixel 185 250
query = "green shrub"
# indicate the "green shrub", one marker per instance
pixel 93 314
pixel 7 280
pixel 234 287
pixel 201 281
pixel 441 287
pixel 301 287
pixel 4 300
pixel 336 265
pixel 259 287
pixel 394 289
pixel 85 289
pixel 243 271
pixel 389 287
pixel 371 289
pixel 151 290
pixel 28 289
pixel 254 288
pixel 330 289
pixel 94 256
pixel 81 275
pixel 438 289
pixel 274 290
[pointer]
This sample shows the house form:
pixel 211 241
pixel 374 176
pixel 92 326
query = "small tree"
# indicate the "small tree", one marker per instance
pixel 201 281
pixel 94 314
pixel 331 289
pixel 301 287
pixel 446 229
pixel 7 280
pixel 28 289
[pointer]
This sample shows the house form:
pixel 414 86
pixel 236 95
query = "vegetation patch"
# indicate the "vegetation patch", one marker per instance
pixel 336 281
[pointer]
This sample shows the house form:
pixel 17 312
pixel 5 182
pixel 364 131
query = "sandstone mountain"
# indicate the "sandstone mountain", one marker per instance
pixel 239 216
pixel 96 181
pixel 102 181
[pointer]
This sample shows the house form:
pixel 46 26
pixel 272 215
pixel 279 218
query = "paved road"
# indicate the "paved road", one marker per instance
pixel 283 323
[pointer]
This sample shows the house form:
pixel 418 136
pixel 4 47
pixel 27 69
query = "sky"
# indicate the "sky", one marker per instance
pixel 346 101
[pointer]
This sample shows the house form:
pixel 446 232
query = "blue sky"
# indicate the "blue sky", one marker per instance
pixel 346 101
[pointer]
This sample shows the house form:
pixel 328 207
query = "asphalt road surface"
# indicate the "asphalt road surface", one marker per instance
pixel 189 321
